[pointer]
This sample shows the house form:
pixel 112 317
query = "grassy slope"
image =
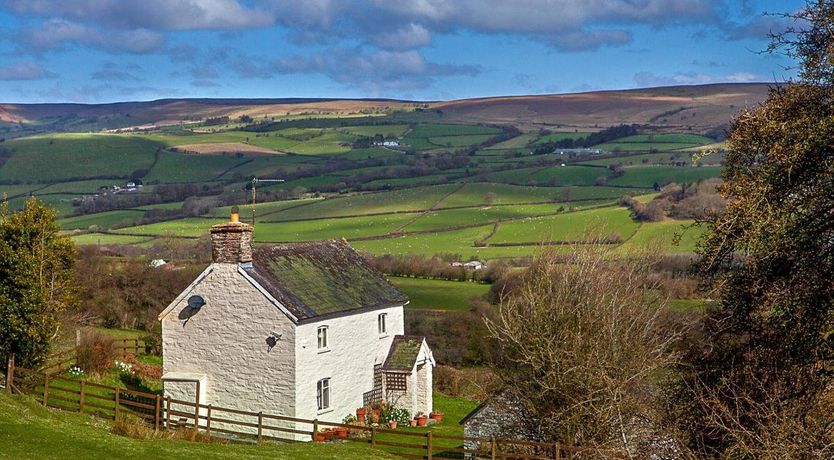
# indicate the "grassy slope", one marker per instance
pixel 28 430
pixel 439 294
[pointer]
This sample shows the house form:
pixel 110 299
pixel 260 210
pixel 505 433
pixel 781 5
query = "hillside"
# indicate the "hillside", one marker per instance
pixel 28 430
pixel 700 108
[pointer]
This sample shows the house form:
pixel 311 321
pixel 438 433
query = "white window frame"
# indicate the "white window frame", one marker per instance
pixel 322 336
pixel 323 395
pixel 382 324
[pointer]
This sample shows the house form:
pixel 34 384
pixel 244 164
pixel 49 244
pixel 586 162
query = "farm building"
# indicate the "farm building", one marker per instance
pixel 498 416
pixel 305 330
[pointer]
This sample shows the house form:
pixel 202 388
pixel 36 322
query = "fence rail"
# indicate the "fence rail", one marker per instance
pixel 57 363
pixel 256 427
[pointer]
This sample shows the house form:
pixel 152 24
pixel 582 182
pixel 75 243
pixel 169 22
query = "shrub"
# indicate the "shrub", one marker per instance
pixel 95 352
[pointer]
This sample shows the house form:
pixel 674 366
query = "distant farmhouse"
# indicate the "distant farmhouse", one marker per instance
pixel 306 330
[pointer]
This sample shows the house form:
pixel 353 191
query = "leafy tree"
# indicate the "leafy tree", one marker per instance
pixel 36 281
pixel 760 383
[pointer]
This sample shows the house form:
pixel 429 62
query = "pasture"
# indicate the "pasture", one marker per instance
pixel 431 294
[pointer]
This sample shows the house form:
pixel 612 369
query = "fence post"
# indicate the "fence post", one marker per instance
pixel 492 447
pixel 260 426
pixel 429 447
pixel 81 398
pixel 10 373
pixel 156 414
pixel 208 421
pixel 45 388
pixel 315 428
pixel 373 436
pixel 556 454
pixel 117 400
pixel 167 412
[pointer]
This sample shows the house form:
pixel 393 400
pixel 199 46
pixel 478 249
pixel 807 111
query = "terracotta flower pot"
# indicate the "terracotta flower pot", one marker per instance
pixel 437 416
pixel 320 437
pixel 422 420
pixel 360 414
pixel 342 432
pixel 392 424
pixel 375 416
pixel 412 423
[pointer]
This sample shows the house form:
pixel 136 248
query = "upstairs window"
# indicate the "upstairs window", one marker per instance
pixel 380 323
pixel 323 394
pixel 322 338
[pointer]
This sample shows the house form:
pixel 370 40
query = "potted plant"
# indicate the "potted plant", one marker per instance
pixel 341 432
pixel 437 416
pixel 392 424
pixel 412 422
pixel 320 436
pixel 360 413
pixel 422 420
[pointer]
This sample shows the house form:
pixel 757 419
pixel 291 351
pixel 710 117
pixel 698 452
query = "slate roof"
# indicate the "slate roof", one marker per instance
pixel 321 278
pixel 403 353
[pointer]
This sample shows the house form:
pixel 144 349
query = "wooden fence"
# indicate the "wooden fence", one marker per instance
pixel 57 363
pixel 257 427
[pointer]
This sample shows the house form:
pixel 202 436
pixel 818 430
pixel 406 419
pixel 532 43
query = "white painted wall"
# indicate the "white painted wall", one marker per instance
pixel 226 341
pixel 354 348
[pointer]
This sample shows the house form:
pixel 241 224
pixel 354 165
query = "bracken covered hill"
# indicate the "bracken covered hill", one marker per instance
pixel 700 108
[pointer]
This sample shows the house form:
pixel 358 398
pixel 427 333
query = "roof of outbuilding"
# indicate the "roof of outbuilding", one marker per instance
pixel 404 351
pixel 321 278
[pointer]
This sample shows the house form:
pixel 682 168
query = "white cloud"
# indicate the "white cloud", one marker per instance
pixel 649 79
pixel 24 71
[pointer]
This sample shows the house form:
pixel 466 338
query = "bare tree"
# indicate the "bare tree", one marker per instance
pixel 582 348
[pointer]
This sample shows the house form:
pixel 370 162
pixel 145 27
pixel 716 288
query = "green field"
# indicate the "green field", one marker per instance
pixel 555 137
pixel 645 176
pixel 575 226
pixel 439 294
pixel 65 157
pixel 658 142
pixel 100 219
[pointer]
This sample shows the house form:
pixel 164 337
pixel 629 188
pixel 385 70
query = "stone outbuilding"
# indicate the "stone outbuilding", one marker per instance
pixel 306 330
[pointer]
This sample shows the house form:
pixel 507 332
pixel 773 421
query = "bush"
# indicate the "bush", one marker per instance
pixel 95 352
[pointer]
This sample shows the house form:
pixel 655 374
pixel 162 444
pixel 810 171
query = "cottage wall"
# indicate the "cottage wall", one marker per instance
pixel 226 341
pixel 354 347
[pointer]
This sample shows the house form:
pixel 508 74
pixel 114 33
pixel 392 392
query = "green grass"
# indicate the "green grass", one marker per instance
pixel 469 216
pixel 436 130
pixel 475 194
pixel 660 237
pixel 659 142
pixel 555 137
pixel 63 157
pixel 370 203
pixel 262 210
pixel 188 167
pixel 517 142
pixel 439 294
pixel 575 226
pixel 28 430
pixel 553 176
pixel 369 153
pixel 105 239
pixel 459 141
pixel 646 176
pixel 372 130
pixel 99 219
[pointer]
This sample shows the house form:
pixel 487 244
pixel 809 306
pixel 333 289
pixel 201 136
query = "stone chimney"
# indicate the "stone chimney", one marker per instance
pixel 231 242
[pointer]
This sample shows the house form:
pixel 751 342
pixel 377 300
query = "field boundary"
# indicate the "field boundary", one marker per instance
pixel 163 412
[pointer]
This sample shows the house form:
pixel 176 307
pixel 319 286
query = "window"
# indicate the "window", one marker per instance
pixel 322 338
pixel 380 323
pixel 323 394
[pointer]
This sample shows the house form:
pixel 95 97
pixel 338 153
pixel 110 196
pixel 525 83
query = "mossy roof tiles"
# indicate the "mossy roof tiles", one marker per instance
pixel 321 278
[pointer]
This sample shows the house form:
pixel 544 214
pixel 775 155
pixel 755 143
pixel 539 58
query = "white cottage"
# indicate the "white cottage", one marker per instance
pixel 306 330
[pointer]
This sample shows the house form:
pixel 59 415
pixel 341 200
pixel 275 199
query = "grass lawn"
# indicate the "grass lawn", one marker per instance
pixel 439 294
pixel 28 430
pixel 573 226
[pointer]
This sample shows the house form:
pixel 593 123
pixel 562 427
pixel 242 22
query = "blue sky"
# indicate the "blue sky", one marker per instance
pixel 115 50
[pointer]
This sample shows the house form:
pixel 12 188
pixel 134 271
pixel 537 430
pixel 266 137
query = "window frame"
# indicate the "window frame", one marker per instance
pixel 382 324
pixel 323 393
pixel 326 347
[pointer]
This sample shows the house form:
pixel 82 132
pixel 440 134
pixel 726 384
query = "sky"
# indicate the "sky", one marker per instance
pixel 92 51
